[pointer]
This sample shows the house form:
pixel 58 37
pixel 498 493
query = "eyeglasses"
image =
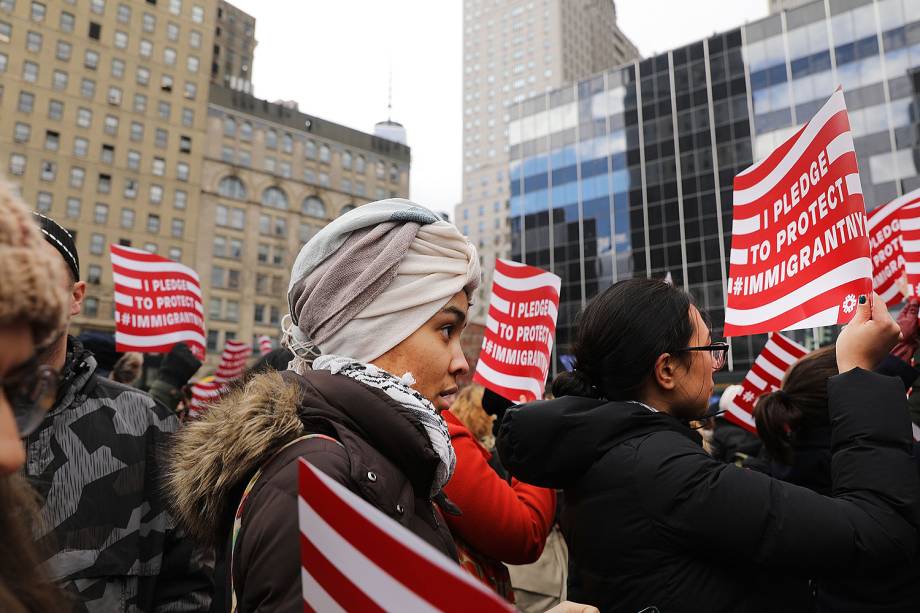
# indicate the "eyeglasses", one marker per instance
pixel 719 352
pixel 32 390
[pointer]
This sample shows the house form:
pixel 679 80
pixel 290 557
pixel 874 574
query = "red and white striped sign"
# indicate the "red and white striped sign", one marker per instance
pixel 265 345
pixel 157 303
pixel 520 329
pixel 884 226
pixel 909 219
pixel 766 375
pixel 800 251
pixel 231 366
pixel 355 558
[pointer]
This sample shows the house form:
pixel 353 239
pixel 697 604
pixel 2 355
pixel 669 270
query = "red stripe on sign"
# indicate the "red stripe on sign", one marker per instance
pixel 789 346
pixel 348 595
pixel 424 578
pixel 753 176
pixel 831 130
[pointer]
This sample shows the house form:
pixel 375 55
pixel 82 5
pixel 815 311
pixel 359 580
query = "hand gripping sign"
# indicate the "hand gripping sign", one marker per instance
pixel 800 250
pixel 884 227
pixel 520 330
pixel 157 303
pixel 355 558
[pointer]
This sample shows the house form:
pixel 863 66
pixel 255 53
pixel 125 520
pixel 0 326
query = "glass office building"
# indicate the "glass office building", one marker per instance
pixel 629 173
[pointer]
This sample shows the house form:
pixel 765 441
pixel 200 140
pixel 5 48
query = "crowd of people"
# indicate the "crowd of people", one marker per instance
pixel 601 497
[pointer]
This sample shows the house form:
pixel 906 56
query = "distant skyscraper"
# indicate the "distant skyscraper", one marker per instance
pixel 234 46
pixel 513 50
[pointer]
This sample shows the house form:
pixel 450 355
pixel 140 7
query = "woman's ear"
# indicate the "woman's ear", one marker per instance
pixel 664 371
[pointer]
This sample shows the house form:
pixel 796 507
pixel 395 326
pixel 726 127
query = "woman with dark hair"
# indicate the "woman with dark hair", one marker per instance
pixel 652 520
pixel 794 425
pixel 31 315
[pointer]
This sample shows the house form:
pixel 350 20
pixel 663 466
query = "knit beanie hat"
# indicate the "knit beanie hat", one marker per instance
pixel 374 276
pixel 62 240
pixel 31 282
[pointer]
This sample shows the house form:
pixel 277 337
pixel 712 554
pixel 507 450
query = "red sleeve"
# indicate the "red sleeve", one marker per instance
pixel 506 522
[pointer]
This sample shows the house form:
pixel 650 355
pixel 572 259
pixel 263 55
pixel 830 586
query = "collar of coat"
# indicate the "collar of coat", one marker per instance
pixel 213 457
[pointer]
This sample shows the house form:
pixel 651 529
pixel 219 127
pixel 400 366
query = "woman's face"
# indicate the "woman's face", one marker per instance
pixel 17 347
pixel 694 382
pixel 433 354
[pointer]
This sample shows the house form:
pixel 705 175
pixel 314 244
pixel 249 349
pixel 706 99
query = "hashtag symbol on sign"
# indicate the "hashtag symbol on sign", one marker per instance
pixel 738 286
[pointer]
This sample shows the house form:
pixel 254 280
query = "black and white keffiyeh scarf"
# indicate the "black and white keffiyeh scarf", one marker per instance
pixel 398 388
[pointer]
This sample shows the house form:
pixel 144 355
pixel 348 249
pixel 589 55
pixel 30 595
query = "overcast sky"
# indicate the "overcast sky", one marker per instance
pixel 334 59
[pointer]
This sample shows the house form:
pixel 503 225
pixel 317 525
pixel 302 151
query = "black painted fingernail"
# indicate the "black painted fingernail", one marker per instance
pixel 862 299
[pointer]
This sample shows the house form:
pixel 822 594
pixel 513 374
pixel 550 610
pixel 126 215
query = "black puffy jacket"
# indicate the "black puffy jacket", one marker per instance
pixel 651 519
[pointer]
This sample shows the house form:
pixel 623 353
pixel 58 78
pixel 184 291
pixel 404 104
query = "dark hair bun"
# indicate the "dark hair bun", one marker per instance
pixel 574 383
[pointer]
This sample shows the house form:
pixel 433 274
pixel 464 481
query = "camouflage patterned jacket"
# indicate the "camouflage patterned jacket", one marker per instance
pixel 94 461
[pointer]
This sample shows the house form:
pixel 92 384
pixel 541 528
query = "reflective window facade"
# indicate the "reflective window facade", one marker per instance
pixel 630 173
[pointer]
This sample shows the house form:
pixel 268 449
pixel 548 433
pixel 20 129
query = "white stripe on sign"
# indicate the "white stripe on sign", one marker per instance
pixel 159 339
pixel 318 598
pixel 912 268
pixel 886 210
pixel 124 299
pixel 746 226
pixel 491 324
pixel 762 187
pixel 546 279
pixel 756 380
pixel 889 294
pixel 739 256
pixel 853 184
pixel 910 246
pixel 153 266
pixel 771 369
pixel 839 146
pixel 827 317
pixel 859 268
pixel 119 279
pixel 779 353
pixel 741 414
pixel 910 223
pixel 509 381
pixel 501 304
pixel 377 584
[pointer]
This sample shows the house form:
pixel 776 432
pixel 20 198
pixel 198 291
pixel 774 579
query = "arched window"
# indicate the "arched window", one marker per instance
pixel 309 150
pixel 246 130
pixel 287 144
pixel 346 160
pixel 232 187
pixel 313 207
pixel 360 164
pixel 394 173
pixel 381 170
pixel 275 198
pixel 271 138
pixel 229 126
pixel 324 154
pixel 347 208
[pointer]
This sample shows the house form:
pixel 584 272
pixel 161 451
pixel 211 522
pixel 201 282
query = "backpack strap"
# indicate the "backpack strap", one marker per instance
pixel 238 517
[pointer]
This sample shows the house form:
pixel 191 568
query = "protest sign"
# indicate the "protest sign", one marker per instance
pixel 265 345
pixel 355 558
pixel 800 251
pixel 231 366
pixel 884 227
pixel 766 375
pixel 909 219
pixel 158 303
pixel 520 329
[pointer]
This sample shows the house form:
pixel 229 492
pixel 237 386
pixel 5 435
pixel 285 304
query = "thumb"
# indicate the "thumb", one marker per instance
pixel 879 308
pixel 863 310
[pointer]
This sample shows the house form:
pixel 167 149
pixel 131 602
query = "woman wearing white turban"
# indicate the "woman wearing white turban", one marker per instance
pixel 378 300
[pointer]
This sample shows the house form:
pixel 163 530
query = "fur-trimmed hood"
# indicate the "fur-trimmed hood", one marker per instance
pixel 213 458
pixel 210 457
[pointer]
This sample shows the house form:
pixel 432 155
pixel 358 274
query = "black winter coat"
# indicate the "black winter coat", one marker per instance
pixel 385 457
pixel 651 519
